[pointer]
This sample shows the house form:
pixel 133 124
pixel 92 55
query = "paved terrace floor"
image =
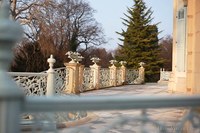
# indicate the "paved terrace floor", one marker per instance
pixel 102 119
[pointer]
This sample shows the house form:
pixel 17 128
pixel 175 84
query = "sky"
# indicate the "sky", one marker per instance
pixel 109 13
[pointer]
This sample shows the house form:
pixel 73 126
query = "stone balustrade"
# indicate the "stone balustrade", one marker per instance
pixel 85 79
pixel 164 76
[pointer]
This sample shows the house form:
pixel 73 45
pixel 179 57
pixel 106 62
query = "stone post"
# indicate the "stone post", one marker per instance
pixel 51 77
pixel 11 96
pixel 123 71
pixel 96 70
pixel 73 66
pixel 141 77
pixel 81 70
pixel 113 73
pixel 73 80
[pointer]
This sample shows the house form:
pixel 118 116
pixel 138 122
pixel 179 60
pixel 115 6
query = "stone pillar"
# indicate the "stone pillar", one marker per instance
pixel 193 52
pixel 51 77
pixel 73 67
pixel 96 70
pixel 177 81
pixel 81 69
pixel 73 80
pixel 141 77
pixel 123 71
pixel 113 73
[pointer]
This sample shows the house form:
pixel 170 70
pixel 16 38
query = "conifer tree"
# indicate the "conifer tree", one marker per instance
pixel 140 41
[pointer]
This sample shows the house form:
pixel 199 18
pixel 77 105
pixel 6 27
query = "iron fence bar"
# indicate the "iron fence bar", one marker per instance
pixel 26 74
pixel 72 103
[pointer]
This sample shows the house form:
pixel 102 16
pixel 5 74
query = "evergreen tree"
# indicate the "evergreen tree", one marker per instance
pixel 140 41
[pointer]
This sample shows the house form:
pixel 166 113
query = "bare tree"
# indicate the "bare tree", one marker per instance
pixel 67 23
pixel 101 53
pixel 58 26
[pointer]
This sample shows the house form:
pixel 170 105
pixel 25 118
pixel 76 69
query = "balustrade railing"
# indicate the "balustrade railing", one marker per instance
pixel 36 83
pixel 164 75
pixel 33 84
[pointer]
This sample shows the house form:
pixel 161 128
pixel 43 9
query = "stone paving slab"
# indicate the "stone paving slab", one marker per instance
pixel 170 116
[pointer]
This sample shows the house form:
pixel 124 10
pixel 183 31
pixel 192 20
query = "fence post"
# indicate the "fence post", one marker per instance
pixel 11 96
pixel 141 77
pixel 81 70
pixel 51 77
pixel 113 73
pixel 123 71
pixel 96 70
pixel 73 68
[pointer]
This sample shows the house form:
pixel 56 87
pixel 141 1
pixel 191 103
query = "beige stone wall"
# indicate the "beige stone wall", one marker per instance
pixel 177 81
pixel 190 81
pixel 193 53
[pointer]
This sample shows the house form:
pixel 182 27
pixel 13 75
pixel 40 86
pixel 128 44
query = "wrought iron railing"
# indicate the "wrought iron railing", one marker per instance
pixel 61 79
pixel 33 84
pixel 104 77
pixel 131 75
pixel 88 79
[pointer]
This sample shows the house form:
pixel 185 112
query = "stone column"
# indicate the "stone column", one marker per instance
pixel 177 81
pixel 123 71
pixel 73 80
pixel 193 53
pixel 96 70
pixel 51 77
pixel 73 66
pixel 81 70
pixel 141 77
pixel 113 73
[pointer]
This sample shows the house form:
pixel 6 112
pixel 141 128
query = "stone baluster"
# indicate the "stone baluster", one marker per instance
pixel 123 71
pixel 10 94
pixel 96 72
pixel 113 73
pixel 51 77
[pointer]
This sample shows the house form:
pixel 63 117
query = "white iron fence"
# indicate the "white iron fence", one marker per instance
pixel 88 79
pixel 104 77
pixel 33 84
pixel 61 80
pixel 131 75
